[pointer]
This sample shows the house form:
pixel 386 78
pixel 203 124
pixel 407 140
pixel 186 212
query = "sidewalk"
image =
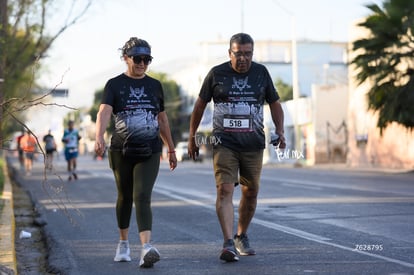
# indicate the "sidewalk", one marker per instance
pixel 7 229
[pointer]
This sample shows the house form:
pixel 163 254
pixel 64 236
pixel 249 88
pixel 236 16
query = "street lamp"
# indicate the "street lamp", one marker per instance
pixel 242 16
pixel 295 85
pixel 295 78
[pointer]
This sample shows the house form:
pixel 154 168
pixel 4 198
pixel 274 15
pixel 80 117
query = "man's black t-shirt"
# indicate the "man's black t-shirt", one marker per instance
pixel 136 104
pixel 238 104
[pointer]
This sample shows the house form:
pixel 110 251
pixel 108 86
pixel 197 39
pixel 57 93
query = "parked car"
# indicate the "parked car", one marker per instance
pixel 181 152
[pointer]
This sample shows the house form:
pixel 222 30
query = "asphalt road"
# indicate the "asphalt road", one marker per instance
pixel 308 221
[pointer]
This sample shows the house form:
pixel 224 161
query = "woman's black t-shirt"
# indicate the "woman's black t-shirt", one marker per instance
pixel 136 104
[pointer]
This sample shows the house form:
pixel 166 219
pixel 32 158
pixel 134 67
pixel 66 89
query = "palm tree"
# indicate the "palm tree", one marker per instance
pixel 386 59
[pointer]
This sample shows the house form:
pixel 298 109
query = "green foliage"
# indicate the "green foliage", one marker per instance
pixel 284 90
pixel 93 111
pixel 75 116
pixel 19 75
pixel 172 103
pixel 24 42
pixel 386 60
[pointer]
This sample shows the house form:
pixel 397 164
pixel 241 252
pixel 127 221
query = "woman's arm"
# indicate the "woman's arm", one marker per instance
pixel 102 120
pixel 165 133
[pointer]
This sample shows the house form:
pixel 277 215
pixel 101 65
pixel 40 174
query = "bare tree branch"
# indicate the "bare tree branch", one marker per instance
pixel 67 25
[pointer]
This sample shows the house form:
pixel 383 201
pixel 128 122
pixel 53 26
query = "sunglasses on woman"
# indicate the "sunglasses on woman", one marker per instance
pixel 137 59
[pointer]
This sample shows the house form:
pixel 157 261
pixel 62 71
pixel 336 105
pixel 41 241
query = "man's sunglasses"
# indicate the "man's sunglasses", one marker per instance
pixel 137 59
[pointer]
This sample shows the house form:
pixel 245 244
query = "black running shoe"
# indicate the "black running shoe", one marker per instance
pixel 229 253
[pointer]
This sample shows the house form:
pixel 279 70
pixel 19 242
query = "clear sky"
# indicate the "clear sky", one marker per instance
pixel 174 28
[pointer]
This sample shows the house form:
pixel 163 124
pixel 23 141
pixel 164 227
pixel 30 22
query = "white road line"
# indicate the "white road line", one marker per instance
pixel 172 193
pixel 334 185
pixel 168 192
pixel 301 186
pixel 290 230
pixel 102 174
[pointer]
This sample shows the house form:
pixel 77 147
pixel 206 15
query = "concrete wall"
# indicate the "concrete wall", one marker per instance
pixel 327 138
pixel 394 149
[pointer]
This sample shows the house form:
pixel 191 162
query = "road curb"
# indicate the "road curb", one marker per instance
pixel 7 228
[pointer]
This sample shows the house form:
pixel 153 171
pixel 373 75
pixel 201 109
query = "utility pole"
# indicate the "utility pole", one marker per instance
pixel 295 86
pixel 295 78
pixel 3 37
pixel 242 16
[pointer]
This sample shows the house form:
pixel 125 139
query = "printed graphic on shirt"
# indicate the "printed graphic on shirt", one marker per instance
pixel 137 93
pixel 242 112
pixel 139 119
pixel 241 83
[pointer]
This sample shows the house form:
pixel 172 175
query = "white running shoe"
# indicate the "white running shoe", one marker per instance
pixel 122 252
pixel 149 256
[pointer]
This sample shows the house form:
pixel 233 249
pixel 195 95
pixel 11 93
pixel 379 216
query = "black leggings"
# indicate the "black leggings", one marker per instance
pixel 134 181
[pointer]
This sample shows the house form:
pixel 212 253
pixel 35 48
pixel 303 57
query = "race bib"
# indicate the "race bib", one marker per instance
pixel 237 123
pixel 73 150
